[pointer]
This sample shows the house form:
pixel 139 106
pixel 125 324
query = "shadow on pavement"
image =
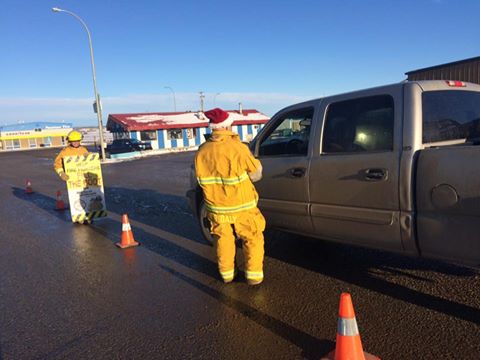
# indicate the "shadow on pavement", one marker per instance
pixel 161 246
pixel 42 201
pixel 312 347
pixel 354 265
pixel 359 266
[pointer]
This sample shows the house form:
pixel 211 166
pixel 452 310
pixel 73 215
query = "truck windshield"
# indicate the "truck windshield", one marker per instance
pixel 451 115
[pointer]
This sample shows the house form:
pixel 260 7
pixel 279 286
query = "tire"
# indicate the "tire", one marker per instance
pixel 204 223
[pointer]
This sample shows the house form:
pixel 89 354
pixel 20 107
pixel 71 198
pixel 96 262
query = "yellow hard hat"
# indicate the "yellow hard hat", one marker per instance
pixel 74 136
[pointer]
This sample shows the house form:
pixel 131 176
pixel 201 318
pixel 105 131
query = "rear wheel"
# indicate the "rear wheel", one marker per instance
pixel 204 223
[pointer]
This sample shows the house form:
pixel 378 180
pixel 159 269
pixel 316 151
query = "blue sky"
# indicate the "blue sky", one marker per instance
pixel 266 54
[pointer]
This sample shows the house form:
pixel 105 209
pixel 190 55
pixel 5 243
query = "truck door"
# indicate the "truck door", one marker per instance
pixel 448 177
pixel 354 176
pixel 283 149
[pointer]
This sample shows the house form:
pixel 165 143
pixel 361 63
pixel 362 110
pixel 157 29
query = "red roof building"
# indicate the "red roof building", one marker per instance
pixel 180 129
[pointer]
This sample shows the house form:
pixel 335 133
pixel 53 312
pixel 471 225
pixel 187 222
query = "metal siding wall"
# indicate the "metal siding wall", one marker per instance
pixel 192 140
pixel 249 132
pixel 255 130
pixel 198 139
pixel 154 144
pixel 240 131
pixel 185 137
pixel 168 143
pixel 161 139
pixel 468 71
pixel 203 132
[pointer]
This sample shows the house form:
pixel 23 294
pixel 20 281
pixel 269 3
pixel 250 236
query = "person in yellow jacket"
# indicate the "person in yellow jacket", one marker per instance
pixel 225 170
pixel 73 149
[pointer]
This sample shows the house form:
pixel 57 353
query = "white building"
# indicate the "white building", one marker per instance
pixel 180 129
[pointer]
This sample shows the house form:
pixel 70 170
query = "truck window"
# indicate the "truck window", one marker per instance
pixel 359 125
pixel 450 115
pixel 290 136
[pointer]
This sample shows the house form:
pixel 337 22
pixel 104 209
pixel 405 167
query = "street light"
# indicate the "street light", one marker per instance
pixel 214 98
pixel 174 101
pixel 97 98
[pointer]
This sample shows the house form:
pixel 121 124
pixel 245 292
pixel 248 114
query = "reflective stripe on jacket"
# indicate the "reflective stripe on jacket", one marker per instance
pixel 222 165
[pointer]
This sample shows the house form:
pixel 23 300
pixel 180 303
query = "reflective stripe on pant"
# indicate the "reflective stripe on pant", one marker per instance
pixel 249 226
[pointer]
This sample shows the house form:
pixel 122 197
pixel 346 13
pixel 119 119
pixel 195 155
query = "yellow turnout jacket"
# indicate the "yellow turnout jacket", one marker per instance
pixel 222 166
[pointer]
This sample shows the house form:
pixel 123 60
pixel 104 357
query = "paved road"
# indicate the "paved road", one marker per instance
pixel 66 292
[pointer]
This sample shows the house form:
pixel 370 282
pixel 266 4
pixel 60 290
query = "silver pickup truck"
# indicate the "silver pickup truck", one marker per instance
pixel 394 167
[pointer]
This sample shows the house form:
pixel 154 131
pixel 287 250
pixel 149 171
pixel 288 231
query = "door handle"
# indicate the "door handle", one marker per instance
pixel 297 172
pixel 376 174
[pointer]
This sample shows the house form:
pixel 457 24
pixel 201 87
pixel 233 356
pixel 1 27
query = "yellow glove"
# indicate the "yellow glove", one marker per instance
pixel 63 176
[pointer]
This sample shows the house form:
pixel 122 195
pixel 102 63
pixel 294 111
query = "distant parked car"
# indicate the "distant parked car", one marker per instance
pixel 119 146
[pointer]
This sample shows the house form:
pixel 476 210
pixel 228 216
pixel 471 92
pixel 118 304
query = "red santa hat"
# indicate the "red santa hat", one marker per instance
pixel 219 118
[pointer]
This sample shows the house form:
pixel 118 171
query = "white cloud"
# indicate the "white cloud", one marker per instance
pixel 80 110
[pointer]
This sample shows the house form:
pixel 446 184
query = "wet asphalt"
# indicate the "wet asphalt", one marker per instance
pixel 66 292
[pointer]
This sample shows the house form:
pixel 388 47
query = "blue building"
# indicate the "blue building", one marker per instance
pixel 180 129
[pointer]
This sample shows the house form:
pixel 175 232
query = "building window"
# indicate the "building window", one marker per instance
pixel 121 135
pixel 148 135
pixel 174 134
pixel 32 143
pixel 12 144
pixel 192 133
pixel 47 142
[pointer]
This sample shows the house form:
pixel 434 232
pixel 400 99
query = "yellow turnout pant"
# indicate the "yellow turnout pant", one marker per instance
pixel 248 226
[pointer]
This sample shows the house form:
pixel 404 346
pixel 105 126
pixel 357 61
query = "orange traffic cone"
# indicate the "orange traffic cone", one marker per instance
pixel 28 187
pixel 349 345
pixel 127 234
pixel 60 204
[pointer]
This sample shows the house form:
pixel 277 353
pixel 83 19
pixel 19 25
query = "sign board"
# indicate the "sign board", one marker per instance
pixel 85 187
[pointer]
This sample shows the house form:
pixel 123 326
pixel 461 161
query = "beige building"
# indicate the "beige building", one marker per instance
pixel 33 135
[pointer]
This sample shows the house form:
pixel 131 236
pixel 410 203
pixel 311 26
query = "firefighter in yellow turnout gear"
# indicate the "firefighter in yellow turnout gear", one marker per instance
pixel 73 149
pixel 225 169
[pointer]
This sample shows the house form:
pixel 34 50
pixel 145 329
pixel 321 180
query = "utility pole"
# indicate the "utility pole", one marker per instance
pixel 202 98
